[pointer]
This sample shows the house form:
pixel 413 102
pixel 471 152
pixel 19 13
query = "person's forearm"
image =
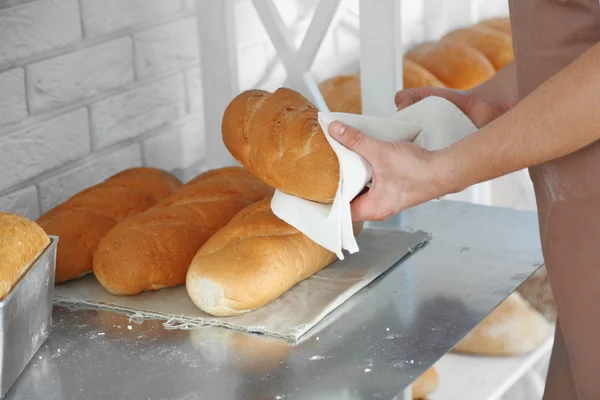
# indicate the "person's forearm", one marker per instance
pixel 557 119
pixel 502 88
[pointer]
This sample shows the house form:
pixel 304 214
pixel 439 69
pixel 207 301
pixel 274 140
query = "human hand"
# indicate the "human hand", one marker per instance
pixel 404 174
pixel 477 105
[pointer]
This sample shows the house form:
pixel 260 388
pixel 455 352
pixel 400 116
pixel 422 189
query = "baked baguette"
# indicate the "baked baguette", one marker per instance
pixel 495 45
pixel 21 242
pixel 501 24
pixel 85 218
pixel 456 65
pixel 254 259
pixel 513 328
pixel 425 384
pixel 153 249
pixel 468 57
pixel 278 138
pixel 342 93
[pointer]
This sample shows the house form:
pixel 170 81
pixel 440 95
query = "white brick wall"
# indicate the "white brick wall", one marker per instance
pixel 38 27
pixel 104 16
pixel 137 111
pixel 174 45
pixel 13 102
pixel 26 154
pixel 85 85
pixel 80 74
pixel 90 87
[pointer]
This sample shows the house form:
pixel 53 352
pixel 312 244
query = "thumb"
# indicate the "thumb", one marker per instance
pixel 408 97
pixel 355 140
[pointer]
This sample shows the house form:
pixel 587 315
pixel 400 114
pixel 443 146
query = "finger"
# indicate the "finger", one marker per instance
pixel 408 97
pixel 355 140
pixel 361 208
pixel 369 207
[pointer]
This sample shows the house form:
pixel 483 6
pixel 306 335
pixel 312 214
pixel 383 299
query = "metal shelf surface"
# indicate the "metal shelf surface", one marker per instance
pixel 372 347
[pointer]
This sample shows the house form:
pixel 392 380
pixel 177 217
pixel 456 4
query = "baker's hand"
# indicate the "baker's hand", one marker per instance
pixel 404 174
pixel 477 105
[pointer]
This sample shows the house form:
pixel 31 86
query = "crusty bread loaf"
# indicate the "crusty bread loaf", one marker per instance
pixel 415 76
pixel 425 384
pixel 277 136
pixel 456 65
pixel 495 45
pixel 153 249
pixel 21 242
pixel 343 94
pixel 513 328
pixel 501 24
pixel 254 259
pixel 538 293
pixel 85 218
pixel 462 59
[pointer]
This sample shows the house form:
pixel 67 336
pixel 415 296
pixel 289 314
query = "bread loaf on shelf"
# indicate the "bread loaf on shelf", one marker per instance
pixel 253 260
pixel 425 384
pixel 153 249
pixel 456 65
pixel 501 24
pixel 462 59
pixel 342 93
pixel 21 242
pixel 277 136
pixel 495 46
pixel 85 218
pixel 513 328
pixel 537 291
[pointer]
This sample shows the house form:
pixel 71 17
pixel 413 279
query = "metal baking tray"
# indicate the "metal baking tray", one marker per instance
pixel 26 317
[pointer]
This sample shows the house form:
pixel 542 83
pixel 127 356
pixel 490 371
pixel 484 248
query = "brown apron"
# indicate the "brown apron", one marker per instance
pixel 548 35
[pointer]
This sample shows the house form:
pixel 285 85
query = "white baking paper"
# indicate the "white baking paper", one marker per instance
pixel 288 317
pixel 433 123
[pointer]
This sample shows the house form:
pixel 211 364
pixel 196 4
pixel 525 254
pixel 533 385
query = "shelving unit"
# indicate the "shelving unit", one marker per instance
pixel 379 25
pixel 487 378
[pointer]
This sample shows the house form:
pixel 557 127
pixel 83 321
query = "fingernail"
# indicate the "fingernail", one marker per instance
pixel 338 129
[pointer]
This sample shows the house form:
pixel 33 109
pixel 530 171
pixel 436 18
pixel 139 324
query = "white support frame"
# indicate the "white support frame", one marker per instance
pixel 381 54
pixel 219 73
pixel 299 76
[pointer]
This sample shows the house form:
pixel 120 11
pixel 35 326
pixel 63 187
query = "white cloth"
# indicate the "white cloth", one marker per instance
pixel 433 123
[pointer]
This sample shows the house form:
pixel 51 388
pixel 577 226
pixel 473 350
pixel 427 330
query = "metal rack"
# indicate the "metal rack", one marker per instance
pixel 381 53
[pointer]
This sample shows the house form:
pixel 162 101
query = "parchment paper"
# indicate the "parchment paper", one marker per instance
pixel 288 317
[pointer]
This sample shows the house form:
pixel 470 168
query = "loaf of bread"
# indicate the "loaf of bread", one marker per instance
pixel 21 243
pixel 456 65
pixel 256 258
pixel 513 328
pixel 277 136
pixel 501 24
pixel 153 249
pixel 462 59
pixel 85 218
pixel 425 384
pixel 342 93
pixel 537 291
pixel 495 46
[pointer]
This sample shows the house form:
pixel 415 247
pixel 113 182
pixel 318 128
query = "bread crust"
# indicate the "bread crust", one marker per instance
pixel 277 136
pixel 82 221
pixel 153 249
pixel 253 260
pixel 21 243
